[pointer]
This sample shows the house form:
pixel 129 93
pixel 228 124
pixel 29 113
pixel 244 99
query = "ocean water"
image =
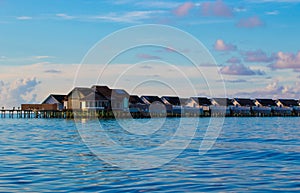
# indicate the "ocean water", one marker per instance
pixel 51 155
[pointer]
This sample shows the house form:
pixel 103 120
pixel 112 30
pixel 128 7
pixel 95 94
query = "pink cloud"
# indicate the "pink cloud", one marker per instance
pixel 257 56
pixel 206 8
pixel 169 49
pixel 183 9
pixel 234 60
pixel 217 8
pixel 250 22
pixel 148 57
pixel 172 50
pixel 287 60
pixel 274 90
pixel 240 69
pixel 220 45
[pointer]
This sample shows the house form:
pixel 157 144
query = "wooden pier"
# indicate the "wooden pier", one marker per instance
pixel 69 114
pixel 17 113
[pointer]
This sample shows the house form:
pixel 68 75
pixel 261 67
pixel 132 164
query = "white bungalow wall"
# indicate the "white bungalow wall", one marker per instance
pixel 192 103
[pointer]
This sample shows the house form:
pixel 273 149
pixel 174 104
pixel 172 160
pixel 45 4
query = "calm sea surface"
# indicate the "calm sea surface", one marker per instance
pixel 251 154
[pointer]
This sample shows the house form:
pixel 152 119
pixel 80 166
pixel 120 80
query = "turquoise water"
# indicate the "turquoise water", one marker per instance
pixel 251 154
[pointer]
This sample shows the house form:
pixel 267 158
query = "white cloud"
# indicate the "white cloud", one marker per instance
pixel 53 71
pixel 272 12
pixel 287 61
pixel 129 17
pixel 240 9
pixel 240 69
pixel 64 16
pixel 17 92
pixel 158 4
pixel 42 57
pixel 24 18
pixel 274 90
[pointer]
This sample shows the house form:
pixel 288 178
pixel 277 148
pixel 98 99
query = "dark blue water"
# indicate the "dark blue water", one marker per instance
pixel 251 154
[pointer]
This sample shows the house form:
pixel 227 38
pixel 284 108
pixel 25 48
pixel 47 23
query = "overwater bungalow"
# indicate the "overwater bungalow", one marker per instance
pixel 56 99
pixel 275 109
pixel 201 103
pixel 156 105
pixel 137 105
pixel 151 99
pixel 289 104
pixel 174 103
pixel 94 101
pixel 221 106
pixel 263 107
pixel 74 99
pixel 102 101
pixel 118 98
pixel 242 106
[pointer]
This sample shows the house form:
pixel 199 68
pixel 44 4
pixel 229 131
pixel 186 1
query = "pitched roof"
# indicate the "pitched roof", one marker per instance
pixel 57 97
pixel 183 101
pixel 202 100
pixel 104 90
pixel 267 102
pixel 289 102
pixel 83 90
pixel 108 92
pixel 152 99
pixel 119 92
pixel 223 101
pixel 94 96
pixel 134 99
pixel 172 100
pixel 245 102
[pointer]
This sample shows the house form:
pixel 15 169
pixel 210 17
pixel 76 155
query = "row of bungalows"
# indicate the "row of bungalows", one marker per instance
pixel 265 107
pixel 104 99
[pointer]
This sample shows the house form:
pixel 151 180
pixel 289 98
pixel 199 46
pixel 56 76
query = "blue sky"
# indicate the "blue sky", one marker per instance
pixel 255 42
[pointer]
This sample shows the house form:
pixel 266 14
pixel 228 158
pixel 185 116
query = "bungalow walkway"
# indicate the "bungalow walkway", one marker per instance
pixel 68 114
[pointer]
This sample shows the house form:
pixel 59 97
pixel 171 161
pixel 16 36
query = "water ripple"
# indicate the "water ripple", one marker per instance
pixel 251 154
